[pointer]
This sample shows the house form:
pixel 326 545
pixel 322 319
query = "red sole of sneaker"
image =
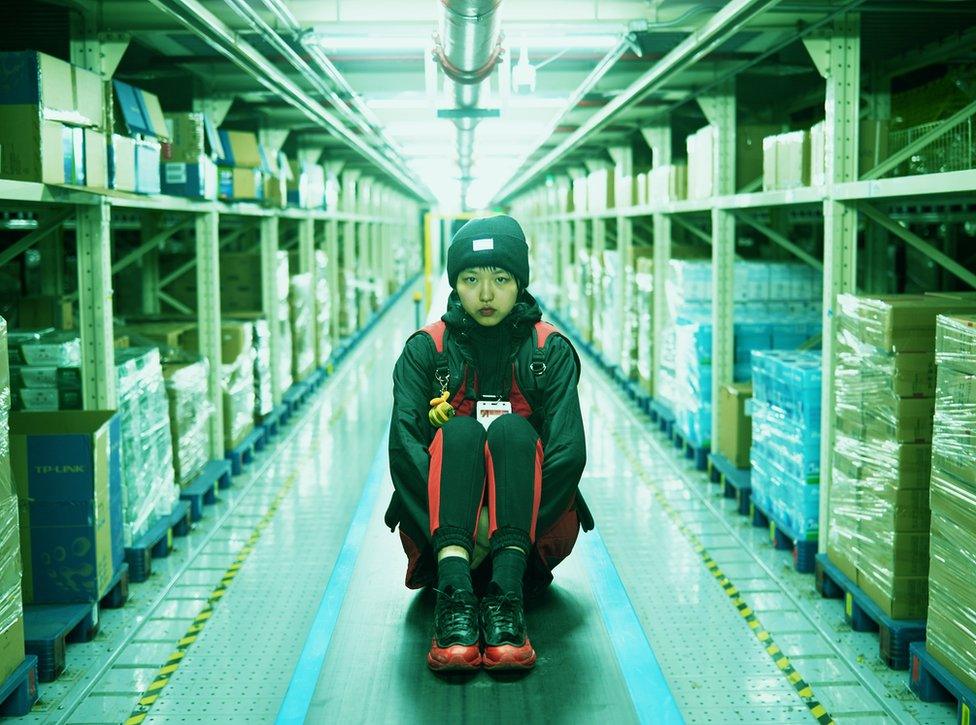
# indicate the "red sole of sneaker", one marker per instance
pixel 509 657
pixel 456 658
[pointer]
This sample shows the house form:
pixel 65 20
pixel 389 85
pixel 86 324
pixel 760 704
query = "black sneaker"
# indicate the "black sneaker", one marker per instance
pixel 507 646
pixel 455 645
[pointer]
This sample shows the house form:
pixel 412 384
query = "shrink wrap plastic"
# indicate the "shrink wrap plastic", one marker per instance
pixel 301 306
pixel 189 412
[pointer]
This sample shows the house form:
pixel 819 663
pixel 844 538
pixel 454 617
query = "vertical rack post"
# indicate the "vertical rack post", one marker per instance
pixel 332 252
pixel 209 319
pixel 623 157
pixel 95 306
pixel 659 140
pixel 270 299
pixel 720 111
pixel 837 55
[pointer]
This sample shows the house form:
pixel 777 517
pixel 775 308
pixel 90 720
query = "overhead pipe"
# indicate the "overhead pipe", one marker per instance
pixel 467 47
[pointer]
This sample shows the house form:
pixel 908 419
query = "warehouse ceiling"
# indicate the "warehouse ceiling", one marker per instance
pixel 356 83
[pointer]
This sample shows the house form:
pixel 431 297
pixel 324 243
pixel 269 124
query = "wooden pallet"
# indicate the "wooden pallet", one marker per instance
pixel 895 635
pixel 736 483
pixel 783 537
pixel 18 692
pixel 932 682
pixel 49 627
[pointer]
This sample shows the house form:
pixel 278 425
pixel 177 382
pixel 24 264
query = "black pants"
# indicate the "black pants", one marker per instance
pixel 471 467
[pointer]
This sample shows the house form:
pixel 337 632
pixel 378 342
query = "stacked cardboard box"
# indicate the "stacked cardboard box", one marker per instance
pixel 952 609
pixel 667 183
pixel 735 432
pixel 785 452
pixel 644 311
pixel 242 168
pixel 147 444
pixel 134 161
pixel 67 473
pixel 277 179
pixel 884 405
pixel 323 309
pixel 776 306
pixel 189 158
pixel 11 597
pixel 701 150
pixel 45 370
pixel 189 416
pixel 302 306
pixel 52 121
pixel 786 160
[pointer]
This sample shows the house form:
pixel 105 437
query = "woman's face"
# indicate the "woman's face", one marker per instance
pixel 488 294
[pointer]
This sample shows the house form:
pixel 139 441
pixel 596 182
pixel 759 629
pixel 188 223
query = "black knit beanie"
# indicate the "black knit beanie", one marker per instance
pixel 496 241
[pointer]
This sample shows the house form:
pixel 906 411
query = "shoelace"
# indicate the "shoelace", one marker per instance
pixel 506 613
pixel 456 615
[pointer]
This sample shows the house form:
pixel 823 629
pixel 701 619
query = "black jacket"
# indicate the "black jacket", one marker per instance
pixel 558 420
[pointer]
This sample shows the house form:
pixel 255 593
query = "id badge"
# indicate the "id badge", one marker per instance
pixel 487 410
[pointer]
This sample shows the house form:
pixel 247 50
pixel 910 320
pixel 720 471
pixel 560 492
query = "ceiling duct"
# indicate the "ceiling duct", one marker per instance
pixel 467 47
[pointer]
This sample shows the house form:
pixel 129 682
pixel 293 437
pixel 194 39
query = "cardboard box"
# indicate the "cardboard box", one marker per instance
pixel 735 426
pixel 147 167
pixel 61 465
pixel 235 339
pixel 34 149
pixel 749 159
pixel 47 399
pixel 902 598
pixel 895 465
pixel 818 154
pixel 196 180
pixel 906 420
pixel 898 323
pixel 67 93
pixel 241 149
pixel 122 163
pixel 955 342
pixel 96 159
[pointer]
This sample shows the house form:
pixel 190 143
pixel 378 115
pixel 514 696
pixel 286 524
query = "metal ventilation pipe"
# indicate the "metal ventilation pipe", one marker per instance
pixel 467 47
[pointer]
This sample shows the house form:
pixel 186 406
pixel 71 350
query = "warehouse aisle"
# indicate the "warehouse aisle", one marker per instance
pixel 667 561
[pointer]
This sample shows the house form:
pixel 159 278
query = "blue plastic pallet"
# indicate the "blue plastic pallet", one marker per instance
pixel 932 682
pixel 181 518
pixel 782 536
pixel 18 692
pixel 664 417
pixel 118 589
pixel 294 397
pixel 47 629
pixel 156 543
pixel 272 421
pixel 243 453
pixel 895 635
pixel 697 453
pixel 202 491
pixel 736 482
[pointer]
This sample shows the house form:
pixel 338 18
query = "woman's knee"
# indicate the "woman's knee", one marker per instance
pixel 511 428
pixel 464 430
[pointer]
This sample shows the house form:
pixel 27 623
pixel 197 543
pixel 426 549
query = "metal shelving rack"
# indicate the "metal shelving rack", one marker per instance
pixel 834 44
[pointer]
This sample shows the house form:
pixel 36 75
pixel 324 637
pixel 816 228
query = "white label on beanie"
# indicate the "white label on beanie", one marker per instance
pixel 482 245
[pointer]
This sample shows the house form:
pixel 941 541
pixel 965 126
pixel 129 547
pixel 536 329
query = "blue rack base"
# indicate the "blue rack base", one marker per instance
pixel 699 454
pixel 118 589
pixel 243 453
pixel 272 422
pixel 933 682
pixel 895 635
pixel 156 543
pixel 202 491
pixel 782 537
pixel 47 629
pixel 736 483
pixel 18 692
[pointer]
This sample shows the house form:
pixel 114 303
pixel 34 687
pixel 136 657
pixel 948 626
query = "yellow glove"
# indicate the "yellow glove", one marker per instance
pixel 441 411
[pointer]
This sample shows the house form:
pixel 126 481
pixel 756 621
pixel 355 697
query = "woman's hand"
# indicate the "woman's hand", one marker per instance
pixel 441 411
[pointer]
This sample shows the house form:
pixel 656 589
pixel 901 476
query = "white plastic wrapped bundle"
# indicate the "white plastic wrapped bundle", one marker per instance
pixel 323 309
pixel 302 325
pixel 147 448
pixel 189 412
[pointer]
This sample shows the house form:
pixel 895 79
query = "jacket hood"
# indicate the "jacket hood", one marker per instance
pixel 520 320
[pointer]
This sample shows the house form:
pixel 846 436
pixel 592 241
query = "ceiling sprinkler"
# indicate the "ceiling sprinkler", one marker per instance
pixel 523 74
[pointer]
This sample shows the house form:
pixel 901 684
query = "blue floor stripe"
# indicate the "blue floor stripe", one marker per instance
pixel 298 698
pixel 648 689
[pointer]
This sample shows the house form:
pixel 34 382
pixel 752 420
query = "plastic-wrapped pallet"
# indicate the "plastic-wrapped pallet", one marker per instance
pixel 189 417
pixel 583 314
pixel 6 479
pixel 301 309
pixel 785 453
pixel 149 489
pixel 45 370
pixel 323 309
pixel 607 333
pixel 263 394
pixel 644 311
pixel 951 626
pixel 884 386
pixel 11 595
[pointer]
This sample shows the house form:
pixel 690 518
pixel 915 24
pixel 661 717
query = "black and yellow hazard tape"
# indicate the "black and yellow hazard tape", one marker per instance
pixel 148 698
pixel 782 662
